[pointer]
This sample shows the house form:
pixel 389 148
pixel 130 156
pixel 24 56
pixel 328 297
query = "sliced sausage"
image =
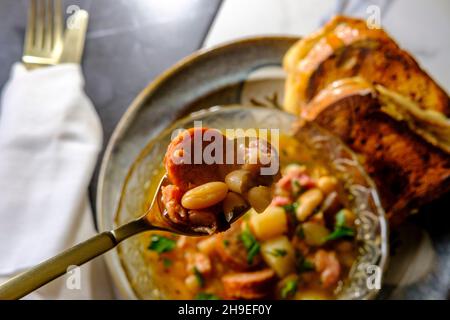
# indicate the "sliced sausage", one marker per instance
pixel 182 170
pixel 327 264
pixel 249 285
pixel 179 160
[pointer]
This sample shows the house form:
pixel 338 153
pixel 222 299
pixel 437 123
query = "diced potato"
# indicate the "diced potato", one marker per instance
pixel 315 234
pixel 279 255
pixel 269 224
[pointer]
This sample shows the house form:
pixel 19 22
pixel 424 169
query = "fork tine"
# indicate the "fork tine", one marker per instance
pixel 40 22
pixel 44 38
pixel 30 32
pixel 57 21
pixel 48 32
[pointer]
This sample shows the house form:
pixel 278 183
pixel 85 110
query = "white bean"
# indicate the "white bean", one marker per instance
pixel 205 195
pixel 308 202
pixel 327 184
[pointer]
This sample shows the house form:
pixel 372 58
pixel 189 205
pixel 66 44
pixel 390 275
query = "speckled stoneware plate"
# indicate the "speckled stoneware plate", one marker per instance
pixel 249 72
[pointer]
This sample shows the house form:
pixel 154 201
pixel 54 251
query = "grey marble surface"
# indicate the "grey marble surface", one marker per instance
pixel 128 43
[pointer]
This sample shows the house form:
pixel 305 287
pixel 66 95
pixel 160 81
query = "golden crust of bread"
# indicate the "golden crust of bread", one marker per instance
pixel 345 47
pixel 339 31
pixel 306 55
pixel 382 63
pixel 408 170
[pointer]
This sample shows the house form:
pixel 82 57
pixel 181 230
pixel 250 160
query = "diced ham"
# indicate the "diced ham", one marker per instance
pixel 280 201
pixel 328 266
pixel 285 182
pixel 293 176
pixel 306 181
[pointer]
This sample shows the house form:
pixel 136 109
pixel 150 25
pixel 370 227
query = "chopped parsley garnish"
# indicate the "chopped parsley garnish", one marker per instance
pixel 206 296
pixel 161 244
pixel 167 262
pixel 199 277
pixel 291 208
pixel 296 187
pixel 340 229
pixel 278 252
pixel 226 242
pixel 341 232
pixel 303 265
pixel 306 266
pixel 289 289
pixel 251 244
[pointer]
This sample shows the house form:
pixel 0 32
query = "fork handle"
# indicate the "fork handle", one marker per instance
pixel 28 281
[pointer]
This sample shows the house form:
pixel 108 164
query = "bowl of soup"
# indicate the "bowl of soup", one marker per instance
pixel 323 235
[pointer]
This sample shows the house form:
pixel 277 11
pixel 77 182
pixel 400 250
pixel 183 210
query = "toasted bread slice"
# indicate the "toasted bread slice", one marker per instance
pixel 346 47
pixel 304 57
pixel 339 31
pixel 408 169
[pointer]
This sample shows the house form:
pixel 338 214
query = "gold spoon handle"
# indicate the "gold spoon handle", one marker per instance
pixel 28 281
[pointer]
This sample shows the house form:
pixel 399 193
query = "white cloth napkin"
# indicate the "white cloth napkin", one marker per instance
pixel 50 137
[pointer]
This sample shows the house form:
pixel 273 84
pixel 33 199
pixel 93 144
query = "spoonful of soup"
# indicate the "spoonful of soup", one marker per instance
pixel 206 194
pixel 210 181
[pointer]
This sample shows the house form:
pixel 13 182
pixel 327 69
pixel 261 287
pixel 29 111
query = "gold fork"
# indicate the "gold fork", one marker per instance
pixel 43 39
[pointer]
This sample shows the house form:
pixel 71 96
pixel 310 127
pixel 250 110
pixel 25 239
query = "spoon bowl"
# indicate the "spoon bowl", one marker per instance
pixel 157 219
pixel 153 219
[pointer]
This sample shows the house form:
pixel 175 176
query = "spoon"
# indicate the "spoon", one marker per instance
pixel 153 219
